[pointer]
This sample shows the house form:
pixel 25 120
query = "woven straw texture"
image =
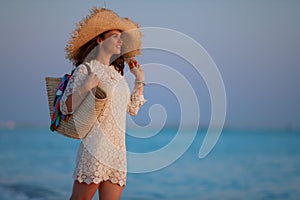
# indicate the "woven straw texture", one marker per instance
pixel 82 120
pixel 99 21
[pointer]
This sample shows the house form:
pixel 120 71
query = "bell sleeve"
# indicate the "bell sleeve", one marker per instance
pixel 136 102
pixel 76 81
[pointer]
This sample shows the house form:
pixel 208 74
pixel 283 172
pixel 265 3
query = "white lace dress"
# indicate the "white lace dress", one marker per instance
pixel 102 153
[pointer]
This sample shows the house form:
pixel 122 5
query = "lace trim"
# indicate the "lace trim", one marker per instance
pixel 136 102
pixel 90 170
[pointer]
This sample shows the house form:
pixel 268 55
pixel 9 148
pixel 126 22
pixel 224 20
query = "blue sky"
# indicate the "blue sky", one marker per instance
pixel 255 45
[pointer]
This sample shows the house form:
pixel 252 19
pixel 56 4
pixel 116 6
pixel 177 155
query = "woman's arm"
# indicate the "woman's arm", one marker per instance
pixel 78 87
pixel 74 99
pixel 137 97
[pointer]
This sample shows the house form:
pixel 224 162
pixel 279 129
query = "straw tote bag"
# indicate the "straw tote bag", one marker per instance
pixel 84 117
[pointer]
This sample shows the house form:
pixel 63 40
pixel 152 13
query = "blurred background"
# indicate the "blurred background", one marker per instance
pixel 254 44
pixel 256 47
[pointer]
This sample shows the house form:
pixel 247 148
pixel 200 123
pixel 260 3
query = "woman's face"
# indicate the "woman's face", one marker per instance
pixel 112 42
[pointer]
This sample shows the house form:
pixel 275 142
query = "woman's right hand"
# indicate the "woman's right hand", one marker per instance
pixel 91 81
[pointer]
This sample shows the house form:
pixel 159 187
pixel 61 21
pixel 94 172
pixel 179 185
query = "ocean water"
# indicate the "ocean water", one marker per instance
pixel 38 164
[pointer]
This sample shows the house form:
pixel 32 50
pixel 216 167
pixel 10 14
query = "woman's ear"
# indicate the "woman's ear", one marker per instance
pixel 99 40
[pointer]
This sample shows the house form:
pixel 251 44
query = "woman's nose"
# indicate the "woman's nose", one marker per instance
pixel 120 40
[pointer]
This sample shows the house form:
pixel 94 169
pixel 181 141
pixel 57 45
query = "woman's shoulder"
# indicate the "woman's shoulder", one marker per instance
pixel 81 69
pixel 96 67
pixel 88 67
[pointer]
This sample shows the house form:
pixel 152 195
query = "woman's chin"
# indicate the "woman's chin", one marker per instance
pixel 118 52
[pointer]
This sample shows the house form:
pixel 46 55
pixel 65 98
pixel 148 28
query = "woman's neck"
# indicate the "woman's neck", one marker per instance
pixel 104 58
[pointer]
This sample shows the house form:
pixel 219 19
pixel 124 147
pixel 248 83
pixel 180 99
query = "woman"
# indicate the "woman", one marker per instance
pixel 101 158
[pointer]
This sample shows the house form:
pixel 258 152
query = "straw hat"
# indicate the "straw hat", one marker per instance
pixel 98 21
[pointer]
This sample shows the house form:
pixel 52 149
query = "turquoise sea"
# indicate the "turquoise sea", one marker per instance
pixel 245 164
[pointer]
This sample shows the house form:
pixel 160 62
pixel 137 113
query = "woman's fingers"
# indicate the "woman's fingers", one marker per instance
pixel 92 80
pixel 138 73
pixel 133 63
pixel 99 84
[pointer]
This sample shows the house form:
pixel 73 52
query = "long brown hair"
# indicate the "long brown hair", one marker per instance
pixel 116 60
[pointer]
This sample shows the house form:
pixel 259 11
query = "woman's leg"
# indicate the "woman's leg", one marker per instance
pixel 83 191
pixel 110 191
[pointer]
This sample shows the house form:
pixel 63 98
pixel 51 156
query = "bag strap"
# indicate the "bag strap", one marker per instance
pixel 88 68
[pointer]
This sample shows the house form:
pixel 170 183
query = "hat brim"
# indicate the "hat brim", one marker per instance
pixel 100 21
